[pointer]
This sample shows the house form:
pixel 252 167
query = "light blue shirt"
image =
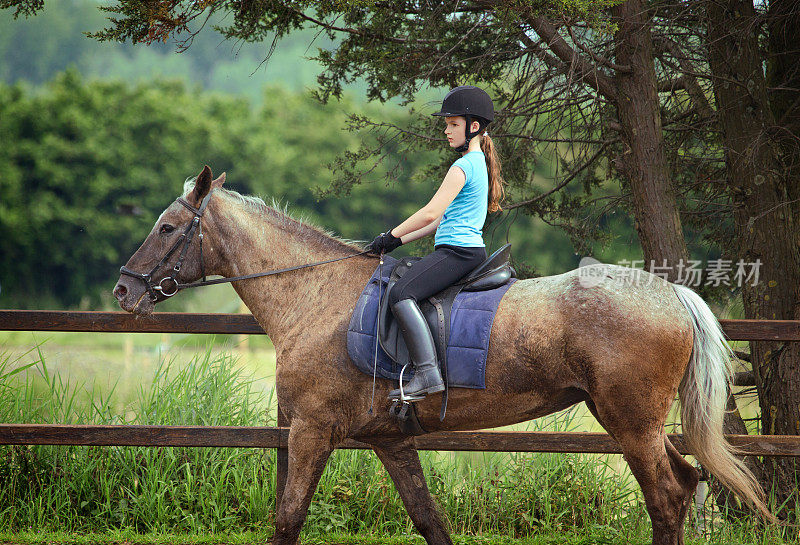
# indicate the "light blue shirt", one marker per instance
pixel 463 219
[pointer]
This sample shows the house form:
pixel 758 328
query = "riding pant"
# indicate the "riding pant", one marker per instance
pixel 438 270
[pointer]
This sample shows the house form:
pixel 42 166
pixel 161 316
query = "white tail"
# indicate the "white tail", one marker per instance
pixel 704 394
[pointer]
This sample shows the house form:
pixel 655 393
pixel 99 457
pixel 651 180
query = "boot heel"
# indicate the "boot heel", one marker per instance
pixel 434 389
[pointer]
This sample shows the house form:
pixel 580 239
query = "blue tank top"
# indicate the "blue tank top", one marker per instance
pixel 463 219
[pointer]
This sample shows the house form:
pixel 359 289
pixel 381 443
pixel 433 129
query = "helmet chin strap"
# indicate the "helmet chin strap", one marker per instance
pixel 468 134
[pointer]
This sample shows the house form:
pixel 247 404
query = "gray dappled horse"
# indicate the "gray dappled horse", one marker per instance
pixel 624 347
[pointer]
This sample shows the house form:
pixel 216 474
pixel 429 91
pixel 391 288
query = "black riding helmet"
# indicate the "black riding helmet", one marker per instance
pixel 472 103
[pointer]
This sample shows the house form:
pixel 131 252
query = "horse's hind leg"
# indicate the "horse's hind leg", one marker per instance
pixel 666 494
pixel 666 478
pixel 402 462
pixel 309 450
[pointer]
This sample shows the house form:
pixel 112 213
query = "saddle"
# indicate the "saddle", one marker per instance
pixel 495 271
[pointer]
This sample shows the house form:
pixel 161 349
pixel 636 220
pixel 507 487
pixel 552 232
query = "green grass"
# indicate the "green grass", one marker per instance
pixel 197 495
pixel 588 537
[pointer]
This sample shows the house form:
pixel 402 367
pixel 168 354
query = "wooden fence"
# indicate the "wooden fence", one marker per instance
pixel 277 437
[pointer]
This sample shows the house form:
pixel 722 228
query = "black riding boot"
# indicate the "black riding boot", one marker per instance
pixel 427 378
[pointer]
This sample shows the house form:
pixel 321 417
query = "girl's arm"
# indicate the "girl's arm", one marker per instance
pixel 431 212
pixel 419 233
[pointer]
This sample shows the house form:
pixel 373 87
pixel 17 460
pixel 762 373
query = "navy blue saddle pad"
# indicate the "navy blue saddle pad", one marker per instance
pixel 470 325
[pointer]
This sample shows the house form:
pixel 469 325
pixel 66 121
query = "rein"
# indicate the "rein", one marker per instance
pixel 172 285
pixel 256 275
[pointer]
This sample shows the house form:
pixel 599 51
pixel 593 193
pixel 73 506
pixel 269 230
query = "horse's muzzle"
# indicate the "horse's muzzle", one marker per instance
pixel 132 297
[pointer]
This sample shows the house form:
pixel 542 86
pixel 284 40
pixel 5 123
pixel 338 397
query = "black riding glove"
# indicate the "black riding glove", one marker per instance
pixel 385 242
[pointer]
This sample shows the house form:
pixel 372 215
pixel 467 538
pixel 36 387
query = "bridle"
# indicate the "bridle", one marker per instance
pixel 169 285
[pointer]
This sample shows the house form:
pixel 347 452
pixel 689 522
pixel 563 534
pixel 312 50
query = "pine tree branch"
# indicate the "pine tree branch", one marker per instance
pixel 687 80
pixel 587 72
pixel 357 32
pixel 566 180
pixel 26 8
pixel 597 58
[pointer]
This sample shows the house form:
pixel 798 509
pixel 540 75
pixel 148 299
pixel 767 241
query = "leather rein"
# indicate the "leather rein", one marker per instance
pixel 169 285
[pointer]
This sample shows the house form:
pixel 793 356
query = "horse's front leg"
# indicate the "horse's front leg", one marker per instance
pixel 402 462
pixel 309 449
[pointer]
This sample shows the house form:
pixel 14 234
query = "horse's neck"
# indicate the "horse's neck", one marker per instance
pixel 254 243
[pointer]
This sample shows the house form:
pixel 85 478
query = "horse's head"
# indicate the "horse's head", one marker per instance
pixel 172 252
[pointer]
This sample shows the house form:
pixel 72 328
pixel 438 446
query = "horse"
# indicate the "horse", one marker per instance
pixel 624 346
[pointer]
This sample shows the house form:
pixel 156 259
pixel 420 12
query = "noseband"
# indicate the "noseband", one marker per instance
pixel 169 286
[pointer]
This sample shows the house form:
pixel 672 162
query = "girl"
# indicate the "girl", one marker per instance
pixel 457 212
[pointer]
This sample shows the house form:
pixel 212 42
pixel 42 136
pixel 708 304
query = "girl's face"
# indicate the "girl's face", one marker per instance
pixel 454 130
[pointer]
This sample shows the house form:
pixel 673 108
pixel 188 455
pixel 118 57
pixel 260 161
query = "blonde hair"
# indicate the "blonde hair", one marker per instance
pixel 496 181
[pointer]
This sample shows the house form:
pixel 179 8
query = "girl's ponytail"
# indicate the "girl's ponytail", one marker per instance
pixel 496 182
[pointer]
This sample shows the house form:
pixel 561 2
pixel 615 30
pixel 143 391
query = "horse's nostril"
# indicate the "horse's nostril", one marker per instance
pixel 120 291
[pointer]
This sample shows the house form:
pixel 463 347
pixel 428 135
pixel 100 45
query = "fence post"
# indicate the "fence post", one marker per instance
pixel 282 465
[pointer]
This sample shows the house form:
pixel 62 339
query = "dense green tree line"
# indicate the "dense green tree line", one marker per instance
pixel 88 165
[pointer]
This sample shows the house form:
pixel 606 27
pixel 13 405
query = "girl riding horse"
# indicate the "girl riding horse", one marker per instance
pixel 624 345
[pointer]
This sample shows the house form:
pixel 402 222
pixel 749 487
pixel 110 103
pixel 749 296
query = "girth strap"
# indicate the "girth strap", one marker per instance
pixel 444 306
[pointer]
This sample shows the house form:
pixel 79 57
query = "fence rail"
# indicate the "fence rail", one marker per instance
pixel 272 437
pixel 186 322
pixel 277 437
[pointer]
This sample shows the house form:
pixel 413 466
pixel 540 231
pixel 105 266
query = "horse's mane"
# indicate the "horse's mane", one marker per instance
pixel 302 225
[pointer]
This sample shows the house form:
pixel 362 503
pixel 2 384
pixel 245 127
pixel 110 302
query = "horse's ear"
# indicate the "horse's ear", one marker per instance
pixel 202 185
pixel 218 182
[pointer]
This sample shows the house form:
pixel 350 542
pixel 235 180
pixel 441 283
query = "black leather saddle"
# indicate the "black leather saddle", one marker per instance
pixel 492 273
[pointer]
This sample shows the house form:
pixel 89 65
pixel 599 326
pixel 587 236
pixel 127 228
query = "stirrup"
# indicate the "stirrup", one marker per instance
pixel 403 397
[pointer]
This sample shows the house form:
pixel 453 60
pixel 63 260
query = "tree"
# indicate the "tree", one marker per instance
pixel 403 71
pixel 760 160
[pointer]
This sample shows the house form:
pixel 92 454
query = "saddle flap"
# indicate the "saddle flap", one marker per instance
pixel 389 335
pixel 472 314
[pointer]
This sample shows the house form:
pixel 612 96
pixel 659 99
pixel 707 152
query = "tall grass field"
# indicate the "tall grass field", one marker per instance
pixel 199 495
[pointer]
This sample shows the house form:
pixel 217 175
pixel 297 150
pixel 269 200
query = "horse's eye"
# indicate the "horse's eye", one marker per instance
pixel 166 228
